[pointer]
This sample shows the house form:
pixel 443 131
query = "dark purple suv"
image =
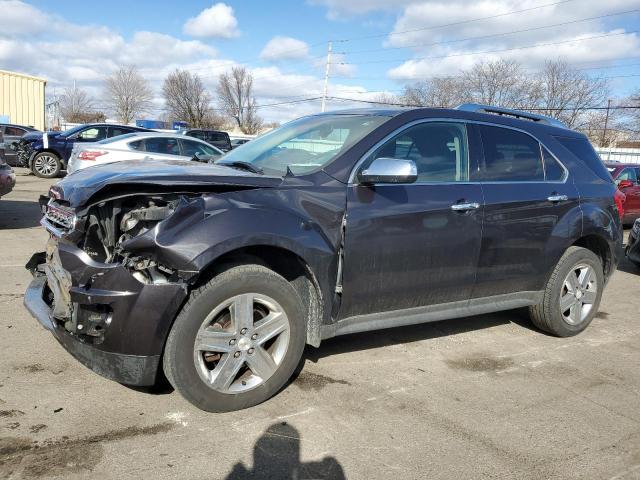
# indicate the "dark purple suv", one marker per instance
pixel 218 275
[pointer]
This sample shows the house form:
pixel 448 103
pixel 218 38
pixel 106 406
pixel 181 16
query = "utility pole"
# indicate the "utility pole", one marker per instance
pixel 606 121
pixel 326 77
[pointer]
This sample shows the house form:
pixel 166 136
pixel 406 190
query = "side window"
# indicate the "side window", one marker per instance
pixel 439 151
pixel 115 131
pixel 189 148
pixel 552 169
pixel 638 173
pixel 137 145
pixel 510 156
pixel 627 174
pixel 92 134
pixel 198 134
pixel 14 131
pixel 165 146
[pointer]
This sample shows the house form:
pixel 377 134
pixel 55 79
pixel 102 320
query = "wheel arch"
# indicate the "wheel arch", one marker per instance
pixel 44 150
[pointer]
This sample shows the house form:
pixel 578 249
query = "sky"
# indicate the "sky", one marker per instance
pixel 378 45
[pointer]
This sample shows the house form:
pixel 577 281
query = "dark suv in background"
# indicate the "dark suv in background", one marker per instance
pixel 216 138
pixel 9 135
pixel 345 222
pixel 47 154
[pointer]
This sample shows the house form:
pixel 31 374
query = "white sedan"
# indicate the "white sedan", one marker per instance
pixel 141 146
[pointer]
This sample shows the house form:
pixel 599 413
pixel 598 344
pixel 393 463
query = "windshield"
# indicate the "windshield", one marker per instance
pixel 304 145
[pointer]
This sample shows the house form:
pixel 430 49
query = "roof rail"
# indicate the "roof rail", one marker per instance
pixel 534 117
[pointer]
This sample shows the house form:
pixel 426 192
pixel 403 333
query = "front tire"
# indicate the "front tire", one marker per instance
pixel 572 295
pixel 237 340
pixel 46 165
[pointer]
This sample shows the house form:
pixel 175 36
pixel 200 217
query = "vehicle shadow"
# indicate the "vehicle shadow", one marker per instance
pixel 16 214
pixel 276 454
pixel 415 333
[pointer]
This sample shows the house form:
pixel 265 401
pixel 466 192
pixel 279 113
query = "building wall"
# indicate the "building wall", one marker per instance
pixel 22 99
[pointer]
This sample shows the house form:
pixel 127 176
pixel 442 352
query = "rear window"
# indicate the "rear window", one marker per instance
pixel 582 149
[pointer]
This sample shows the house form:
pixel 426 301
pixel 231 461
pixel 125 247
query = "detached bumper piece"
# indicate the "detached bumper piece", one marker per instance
pixel 106 318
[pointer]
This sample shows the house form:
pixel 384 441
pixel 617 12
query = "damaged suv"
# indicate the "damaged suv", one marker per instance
pixel 219 275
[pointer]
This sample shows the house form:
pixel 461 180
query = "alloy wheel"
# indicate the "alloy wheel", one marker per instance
pixel 45 165
pixel 241 343
pixel 579 294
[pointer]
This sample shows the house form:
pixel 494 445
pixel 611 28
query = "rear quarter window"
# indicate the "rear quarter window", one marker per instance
pixel 582 149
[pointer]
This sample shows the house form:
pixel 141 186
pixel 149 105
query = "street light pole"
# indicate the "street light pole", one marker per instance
pixel 606 121
pixel 326 77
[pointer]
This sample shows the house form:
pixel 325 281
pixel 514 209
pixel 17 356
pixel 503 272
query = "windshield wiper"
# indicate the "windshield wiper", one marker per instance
pixel 243 166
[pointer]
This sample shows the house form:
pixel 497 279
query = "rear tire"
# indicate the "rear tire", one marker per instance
pixel 46 165
pixel 572 295
pixel 221 360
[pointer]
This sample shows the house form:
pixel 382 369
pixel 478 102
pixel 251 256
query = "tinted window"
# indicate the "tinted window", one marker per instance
pixel 510 156
pixel 197 134
pixel 93 134
pixel 166 146
pixel 627 174
pixel 217 137
pixel 439 151
pixel 15 131
pixel 137 145
pixel 582 149
pixel 552 169
pixel 115 131
pixel 190 148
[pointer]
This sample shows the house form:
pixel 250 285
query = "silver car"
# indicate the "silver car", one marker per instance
pixel 141 146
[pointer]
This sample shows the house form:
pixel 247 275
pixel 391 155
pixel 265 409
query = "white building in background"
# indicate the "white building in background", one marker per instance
pixel 22 99
pixel 615 154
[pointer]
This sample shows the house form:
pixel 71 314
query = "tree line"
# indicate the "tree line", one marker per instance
pixel 557 90
pixel 128 95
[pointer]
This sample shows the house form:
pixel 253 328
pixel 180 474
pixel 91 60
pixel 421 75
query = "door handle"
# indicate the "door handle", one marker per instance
pixel 558 198
pixel 463 207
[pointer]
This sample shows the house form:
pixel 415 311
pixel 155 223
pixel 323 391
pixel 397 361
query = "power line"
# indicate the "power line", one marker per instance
pixel 513 12
pixel 492 51
pixel 493 35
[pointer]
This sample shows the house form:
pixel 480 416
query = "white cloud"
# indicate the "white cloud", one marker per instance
pixel 434 28
pixel 284 48
pixel 215 21
pixel 18 18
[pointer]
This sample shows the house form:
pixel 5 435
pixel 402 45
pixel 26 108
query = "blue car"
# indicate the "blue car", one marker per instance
pixel 46 154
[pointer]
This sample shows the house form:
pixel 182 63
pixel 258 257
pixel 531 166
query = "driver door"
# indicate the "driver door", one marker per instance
pixel 417 244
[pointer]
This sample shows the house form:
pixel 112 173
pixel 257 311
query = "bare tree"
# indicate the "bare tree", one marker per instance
pixel 385 99
pixel 501 82
pixel 235 95
pixel 75 104
pixel 186 98
pixel 566 93
pixel 127 93
pixel 435 92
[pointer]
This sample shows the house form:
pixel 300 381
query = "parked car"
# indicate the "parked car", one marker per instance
pixel 337 223
pixel 216 138
pixel 141 146
pixel 7 178
pixel 236 142
pixel 9 135
pixel 46 154
pixel 627 177
pixel 633 244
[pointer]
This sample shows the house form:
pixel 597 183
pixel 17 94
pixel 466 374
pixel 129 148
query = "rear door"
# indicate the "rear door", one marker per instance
pixel 415 244
pixel 526 191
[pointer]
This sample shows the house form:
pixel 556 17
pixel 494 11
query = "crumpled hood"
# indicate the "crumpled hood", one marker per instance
pixel 153 176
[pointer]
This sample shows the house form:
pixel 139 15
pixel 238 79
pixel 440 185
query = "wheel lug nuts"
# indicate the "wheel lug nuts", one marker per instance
pixel 236 355
pixel 232 341
pixel 251 350
pixel 243 331
pixel 254 336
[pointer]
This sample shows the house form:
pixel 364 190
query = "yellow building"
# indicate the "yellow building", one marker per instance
pixel 22 99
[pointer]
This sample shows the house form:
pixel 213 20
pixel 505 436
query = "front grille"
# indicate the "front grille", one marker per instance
pixel 59 219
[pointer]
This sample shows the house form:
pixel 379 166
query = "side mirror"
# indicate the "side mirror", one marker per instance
pixel 625 184
pixel 389 170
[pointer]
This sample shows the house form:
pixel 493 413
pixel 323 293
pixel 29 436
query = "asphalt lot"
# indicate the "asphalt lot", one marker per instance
pixel 481 397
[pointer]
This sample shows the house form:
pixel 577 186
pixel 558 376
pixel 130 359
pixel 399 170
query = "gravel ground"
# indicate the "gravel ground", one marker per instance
pixel 480 397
